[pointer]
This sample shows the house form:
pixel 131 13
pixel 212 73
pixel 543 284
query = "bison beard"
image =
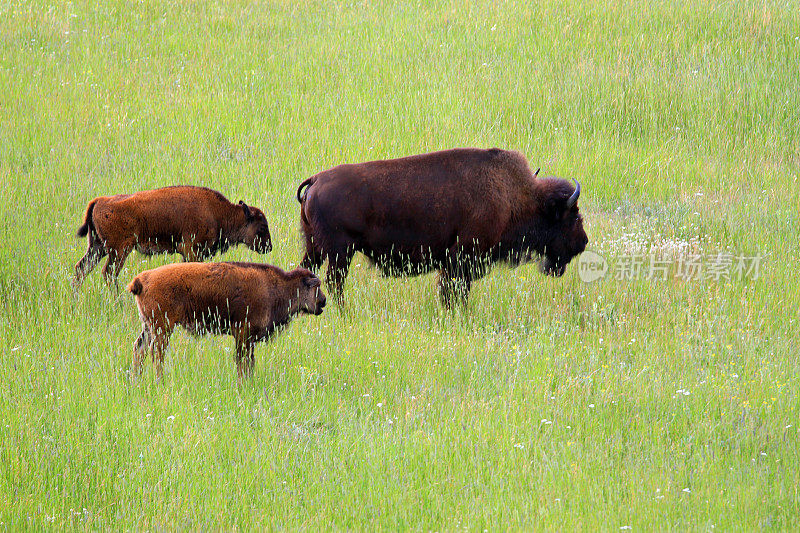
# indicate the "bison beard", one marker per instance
pixel 456 211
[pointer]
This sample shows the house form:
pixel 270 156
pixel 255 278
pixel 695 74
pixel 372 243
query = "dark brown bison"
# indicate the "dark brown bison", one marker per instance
pixel 457 211
pixel 249 301
pixel 195 222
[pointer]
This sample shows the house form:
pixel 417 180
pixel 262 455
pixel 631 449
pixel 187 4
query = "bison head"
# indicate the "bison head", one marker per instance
pixel 255 233
pixel 560 226
pixel 312 299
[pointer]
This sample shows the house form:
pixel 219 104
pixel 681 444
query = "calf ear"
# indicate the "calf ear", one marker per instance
pixel 311 282
pixel 247 213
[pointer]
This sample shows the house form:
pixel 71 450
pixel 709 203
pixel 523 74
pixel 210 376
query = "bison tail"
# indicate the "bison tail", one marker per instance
pixel 87 220
pixel 135 286
pixel 307 183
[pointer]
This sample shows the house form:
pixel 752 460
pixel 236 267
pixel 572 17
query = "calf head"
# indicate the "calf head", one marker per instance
pixel 311 298
pixel 561 233
pixel 255 233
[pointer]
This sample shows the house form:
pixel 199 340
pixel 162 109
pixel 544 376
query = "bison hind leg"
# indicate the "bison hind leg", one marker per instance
pixel 338 267
pixel 312 259
pixel 142 345
pixel 113 266
pixel 159 345
pixel 94 254
pixel 250 360
pixel 154 339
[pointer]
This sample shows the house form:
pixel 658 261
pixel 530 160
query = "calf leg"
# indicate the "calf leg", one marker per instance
pixel 249 359
pixel 140 348
pixel 116 258
pixel 159 346
pixel 245 359
pixel 201 254
pixel 191 252
pixel 94 253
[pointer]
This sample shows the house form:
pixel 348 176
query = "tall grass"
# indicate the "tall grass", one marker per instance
pixel 546 403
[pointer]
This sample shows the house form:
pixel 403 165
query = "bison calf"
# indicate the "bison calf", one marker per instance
pixel 248 301
pixel 195 222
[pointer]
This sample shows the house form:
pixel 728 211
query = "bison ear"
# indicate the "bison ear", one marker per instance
pixel 247 213
pixel 311 282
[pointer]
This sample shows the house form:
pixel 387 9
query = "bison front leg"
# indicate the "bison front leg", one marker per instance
pixel 453 289
pixel 192 251
pixel 190 256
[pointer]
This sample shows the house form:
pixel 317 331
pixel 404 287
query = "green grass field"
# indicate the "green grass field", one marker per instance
pixel 546 403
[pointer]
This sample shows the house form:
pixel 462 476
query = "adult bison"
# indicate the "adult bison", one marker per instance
pixel 458 211
pixel 195 222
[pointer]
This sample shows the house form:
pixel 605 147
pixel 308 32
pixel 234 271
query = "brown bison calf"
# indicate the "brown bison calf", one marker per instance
pixel 249 301
pixel 195 222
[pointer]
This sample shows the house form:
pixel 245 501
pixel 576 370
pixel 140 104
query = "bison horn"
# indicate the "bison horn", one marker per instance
pixel 574 198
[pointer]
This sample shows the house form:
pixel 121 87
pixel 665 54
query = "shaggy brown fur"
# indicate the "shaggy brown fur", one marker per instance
pixel 457 211
pixel 195 222
pixel 250 301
